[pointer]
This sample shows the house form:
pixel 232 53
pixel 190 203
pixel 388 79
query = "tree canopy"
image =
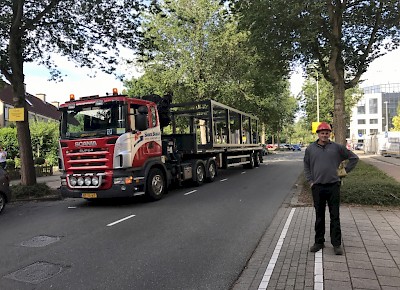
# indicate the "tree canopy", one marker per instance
pixel 341 38
pixel 90 32
pixel 195 50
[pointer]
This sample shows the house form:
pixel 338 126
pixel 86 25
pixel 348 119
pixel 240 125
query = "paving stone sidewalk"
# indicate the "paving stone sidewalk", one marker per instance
pixel 371 244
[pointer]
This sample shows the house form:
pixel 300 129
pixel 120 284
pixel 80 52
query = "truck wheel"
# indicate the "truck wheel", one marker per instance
pixel 256 159
pixel 211 170
pixel 155 186
pixel 2 202
pixel 199 173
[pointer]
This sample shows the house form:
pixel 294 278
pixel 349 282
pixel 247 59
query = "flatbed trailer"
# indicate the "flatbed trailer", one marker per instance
pixel 117 146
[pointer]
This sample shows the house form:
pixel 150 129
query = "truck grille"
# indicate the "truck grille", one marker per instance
pixel 95 159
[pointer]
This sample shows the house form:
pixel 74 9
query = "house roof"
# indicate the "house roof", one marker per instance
pixel 34 104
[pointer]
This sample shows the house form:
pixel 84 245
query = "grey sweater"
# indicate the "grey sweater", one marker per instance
pixel 321 162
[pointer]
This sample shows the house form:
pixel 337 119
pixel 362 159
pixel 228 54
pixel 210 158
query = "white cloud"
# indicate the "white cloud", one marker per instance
pixel 76 80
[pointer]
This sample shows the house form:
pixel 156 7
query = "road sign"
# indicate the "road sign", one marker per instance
pixel 16 114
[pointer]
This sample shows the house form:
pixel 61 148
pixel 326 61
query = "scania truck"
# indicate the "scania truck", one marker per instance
pixel 118 146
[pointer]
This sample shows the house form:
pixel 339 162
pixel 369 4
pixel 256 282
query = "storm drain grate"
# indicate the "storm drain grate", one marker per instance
pixel 40 241
pixel 36 273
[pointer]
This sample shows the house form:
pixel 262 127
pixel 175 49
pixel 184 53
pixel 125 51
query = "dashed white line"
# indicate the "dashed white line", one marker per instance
pixel 121 220
pixel 71 207
pixel 190 192
pixel 272 262
pixel 225 179
pixel 243 172
pixel 318 271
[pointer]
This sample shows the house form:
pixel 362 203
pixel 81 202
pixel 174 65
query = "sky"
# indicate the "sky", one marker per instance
pixel 385 69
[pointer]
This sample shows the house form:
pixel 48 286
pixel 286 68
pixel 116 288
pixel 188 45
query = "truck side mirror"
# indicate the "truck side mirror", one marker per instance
pixel 141 122
pixel 143 110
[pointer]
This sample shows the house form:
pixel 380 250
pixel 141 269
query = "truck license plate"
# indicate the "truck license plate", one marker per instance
pixel 89 195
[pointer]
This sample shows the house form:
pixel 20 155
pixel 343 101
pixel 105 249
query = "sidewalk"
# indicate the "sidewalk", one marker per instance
pixel 52 181
pixel 371 244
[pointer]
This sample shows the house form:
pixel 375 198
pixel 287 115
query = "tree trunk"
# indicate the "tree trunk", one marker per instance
pixel 339 120
pixel 16 77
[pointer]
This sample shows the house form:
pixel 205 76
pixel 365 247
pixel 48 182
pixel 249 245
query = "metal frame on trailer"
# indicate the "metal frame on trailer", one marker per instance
pixel 212 113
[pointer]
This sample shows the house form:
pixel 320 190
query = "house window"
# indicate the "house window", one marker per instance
pixel 373 121
pixel 361 109
pixel 373 131
pixel 361 121
pixel 373 106
pixel 361 132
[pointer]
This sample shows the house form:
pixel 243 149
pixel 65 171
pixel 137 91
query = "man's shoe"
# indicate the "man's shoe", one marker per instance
pixel 316 247
pixel 338 250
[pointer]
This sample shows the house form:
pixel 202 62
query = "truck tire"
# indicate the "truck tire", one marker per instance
pixel 211 170
pixel 199 173
pixel 2 202
pixel 155 184
pixel 256 159
pixel 250 165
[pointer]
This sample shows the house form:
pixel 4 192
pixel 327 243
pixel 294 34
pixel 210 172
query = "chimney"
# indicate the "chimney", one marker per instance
pixel 56 104
pixel 41 97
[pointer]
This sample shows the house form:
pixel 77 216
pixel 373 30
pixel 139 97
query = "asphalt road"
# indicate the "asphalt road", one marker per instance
pixel 194 238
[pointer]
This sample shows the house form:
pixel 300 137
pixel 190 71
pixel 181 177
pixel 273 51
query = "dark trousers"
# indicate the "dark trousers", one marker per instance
pixel 323 194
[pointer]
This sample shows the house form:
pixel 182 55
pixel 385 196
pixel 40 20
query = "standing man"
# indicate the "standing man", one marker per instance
pixel 3 158
pixel 321 162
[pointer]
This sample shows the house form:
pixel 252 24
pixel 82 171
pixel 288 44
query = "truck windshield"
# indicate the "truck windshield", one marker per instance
pixel 89 121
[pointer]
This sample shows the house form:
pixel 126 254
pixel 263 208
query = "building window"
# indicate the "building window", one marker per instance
pixel 361 121
pixel 373 106
pixel 361 132
pixel 361 109
pixel 373 131
pixel 373 121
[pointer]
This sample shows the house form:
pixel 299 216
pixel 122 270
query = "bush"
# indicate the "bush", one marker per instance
pixel 40 161
pixel 10 164
pixel 25 192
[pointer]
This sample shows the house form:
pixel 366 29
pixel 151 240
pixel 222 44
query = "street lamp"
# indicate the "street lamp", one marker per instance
pixel 317 99
pixel 387 118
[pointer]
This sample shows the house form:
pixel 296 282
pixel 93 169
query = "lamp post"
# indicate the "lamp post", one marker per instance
pixel 317 99
pixel 387 118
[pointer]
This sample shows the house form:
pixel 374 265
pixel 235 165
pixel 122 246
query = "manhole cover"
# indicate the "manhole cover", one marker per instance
pixel 40 241
pixel 36 273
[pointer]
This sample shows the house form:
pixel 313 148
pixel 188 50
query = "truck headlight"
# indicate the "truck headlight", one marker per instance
pixel 81 181
pixel 73 181
pixel 88 181
pixel 95 180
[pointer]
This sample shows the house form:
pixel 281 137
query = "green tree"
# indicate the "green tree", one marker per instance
pixel 341 37
pixel 90 32
pixel 9 141
pixel 396 120
pixel 195 50
pixel 308 101
pixel 44 138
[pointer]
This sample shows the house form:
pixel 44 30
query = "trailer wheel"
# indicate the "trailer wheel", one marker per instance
pixel 250 165
pixel 256 159
pixel 199 173
pixel 155 186
pixel 211 170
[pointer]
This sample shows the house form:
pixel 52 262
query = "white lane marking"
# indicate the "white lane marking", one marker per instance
pixel 225 179
pixel 190 192
pixel 318 272
pixel 272 262
pixel 72 207
pixel 121 220
pixel 243 172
